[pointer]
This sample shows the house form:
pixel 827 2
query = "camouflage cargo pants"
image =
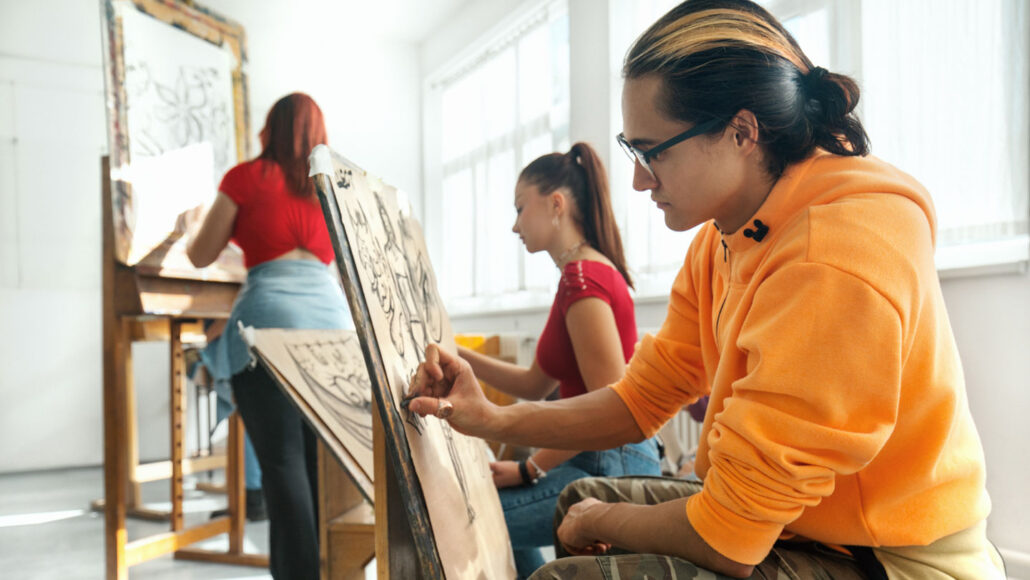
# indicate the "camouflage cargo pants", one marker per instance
pixel 786 561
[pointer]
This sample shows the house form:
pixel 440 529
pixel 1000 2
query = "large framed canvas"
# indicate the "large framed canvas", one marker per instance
pixel 177 121
pixel 444 478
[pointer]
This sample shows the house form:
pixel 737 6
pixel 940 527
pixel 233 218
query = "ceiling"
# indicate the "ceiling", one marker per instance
pixel 402 20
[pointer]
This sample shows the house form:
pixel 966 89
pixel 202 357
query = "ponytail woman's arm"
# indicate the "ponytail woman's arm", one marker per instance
pixel 530 384
pixel 595 341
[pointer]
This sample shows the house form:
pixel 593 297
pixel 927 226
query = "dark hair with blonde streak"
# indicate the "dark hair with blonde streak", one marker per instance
pixel 581 172
pixel 718 57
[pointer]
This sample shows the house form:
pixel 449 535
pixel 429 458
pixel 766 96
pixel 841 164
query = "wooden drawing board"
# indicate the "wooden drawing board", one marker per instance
pixel 323 372
pixel 453 508
pixel 177 121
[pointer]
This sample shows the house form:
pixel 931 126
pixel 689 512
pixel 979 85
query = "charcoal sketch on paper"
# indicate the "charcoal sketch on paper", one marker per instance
pixel 335 373
pixel 174 120
pixel 325 371
pixel 397 280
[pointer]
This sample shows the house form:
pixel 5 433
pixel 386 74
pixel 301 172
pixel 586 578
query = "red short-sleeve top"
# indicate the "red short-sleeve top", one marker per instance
pixel 579 280
pixel 270 220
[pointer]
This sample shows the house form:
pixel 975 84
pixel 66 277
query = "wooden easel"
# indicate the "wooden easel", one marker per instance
pixel 351 531
pixel 404 543
pixel 158 328
pixel 131 301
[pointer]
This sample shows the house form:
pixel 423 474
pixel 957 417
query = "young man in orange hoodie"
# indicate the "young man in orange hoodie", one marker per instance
pixel 838 440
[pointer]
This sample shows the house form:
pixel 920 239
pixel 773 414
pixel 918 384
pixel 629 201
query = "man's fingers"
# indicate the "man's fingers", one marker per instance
pixel 423 381
pixel 422 406
pixel 416 381
pixel 432 364
pixel 438 407
pixel 595 549
pixel 444 409
pixel 450 365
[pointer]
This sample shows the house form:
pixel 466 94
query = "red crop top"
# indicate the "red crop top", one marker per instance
pixel 583 279
pixel 270 220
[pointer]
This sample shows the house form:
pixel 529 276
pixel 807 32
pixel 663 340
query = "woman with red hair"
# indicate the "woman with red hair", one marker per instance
pixel 268 207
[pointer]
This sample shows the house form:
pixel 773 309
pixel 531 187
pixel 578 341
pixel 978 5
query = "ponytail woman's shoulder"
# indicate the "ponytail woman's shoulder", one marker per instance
pixel 590 278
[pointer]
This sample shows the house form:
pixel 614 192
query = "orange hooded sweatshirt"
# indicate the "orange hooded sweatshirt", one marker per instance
pixel 838 409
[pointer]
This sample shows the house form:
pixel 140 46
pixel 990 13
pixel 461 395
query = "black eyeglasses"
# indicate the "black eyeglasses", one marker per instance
pixel 644 157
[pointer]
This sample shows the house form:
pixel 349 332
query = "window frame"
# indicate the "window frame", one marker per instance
pixel 524 21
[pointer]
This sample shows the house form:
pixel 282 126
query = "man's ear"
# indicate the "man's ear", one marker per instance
pixel 743 128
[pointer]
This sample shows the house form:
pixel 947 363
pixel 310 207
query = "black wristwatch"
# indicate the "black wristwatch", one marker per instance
pixel 524 472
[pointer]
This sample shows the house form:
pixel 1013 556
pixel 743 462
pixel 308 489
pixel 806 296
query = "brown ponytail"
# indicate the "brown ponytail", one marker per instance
pixel 582 173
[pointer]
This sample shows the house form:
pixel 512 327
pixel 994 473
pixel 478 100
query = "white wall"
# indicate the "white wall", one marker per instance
pixel 991 320
pixel 52 135
pixel 367 88
pixel 990 315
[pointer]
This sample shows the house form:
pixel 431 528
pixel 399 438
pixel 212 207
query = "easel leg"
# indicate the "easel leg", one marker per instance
pixel 381 500
pixel 396 554
pixel 346 524
pixel 134 497
pixel 324 514
pixel 115 427
pixel 235 484
pixel 177 406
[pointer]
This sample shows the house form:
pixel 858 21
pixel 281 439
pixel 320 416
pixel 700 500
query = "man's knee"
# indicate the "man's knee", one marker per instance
pixel 579 567
pixel 579 490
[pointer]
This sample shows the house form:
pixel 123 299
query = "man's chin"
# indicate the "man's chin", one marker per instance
pixel 676 223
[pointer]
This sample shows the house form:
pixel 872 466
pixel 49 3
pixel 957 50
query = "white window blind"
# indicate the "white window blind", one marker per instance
pixel 946 96
pixel 945 93
pixel 654 252
pixel 499 107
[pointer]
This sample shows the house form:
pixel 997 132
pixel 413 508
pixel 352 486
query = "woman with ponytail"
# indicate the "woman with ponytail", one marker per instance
pixel 838 440
pixel 563 208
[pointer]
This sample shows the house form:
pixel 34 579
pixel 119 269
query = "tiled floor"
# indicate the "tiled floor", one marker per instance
pixel 47 530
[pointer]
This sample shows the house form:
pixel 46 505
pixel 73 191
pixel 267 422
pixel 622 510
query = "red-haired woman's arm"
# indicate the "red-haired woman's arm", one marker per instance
pixel 214 233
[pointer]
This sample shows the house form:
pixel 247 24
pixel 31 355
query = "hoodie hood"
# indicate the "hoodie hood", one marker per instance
pixel 821 180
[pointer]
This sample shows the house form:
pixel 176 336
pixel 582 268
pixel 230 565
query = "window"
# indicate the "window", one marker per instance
pixel 955 117
pixel 488 115
pixel 654 252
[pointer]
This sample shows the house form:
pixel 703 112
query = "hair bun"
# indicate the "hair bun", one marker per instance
pixel 813 80
pixel 825 101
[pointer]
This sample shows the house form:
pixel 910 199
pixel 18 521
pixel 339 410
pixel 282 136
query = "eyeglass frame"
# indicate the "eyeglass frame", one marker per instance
pixel 635 154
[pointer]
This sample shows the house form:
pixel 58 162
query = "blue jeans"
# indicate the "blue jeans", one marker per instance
pixel 529 509
pixel 214 358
